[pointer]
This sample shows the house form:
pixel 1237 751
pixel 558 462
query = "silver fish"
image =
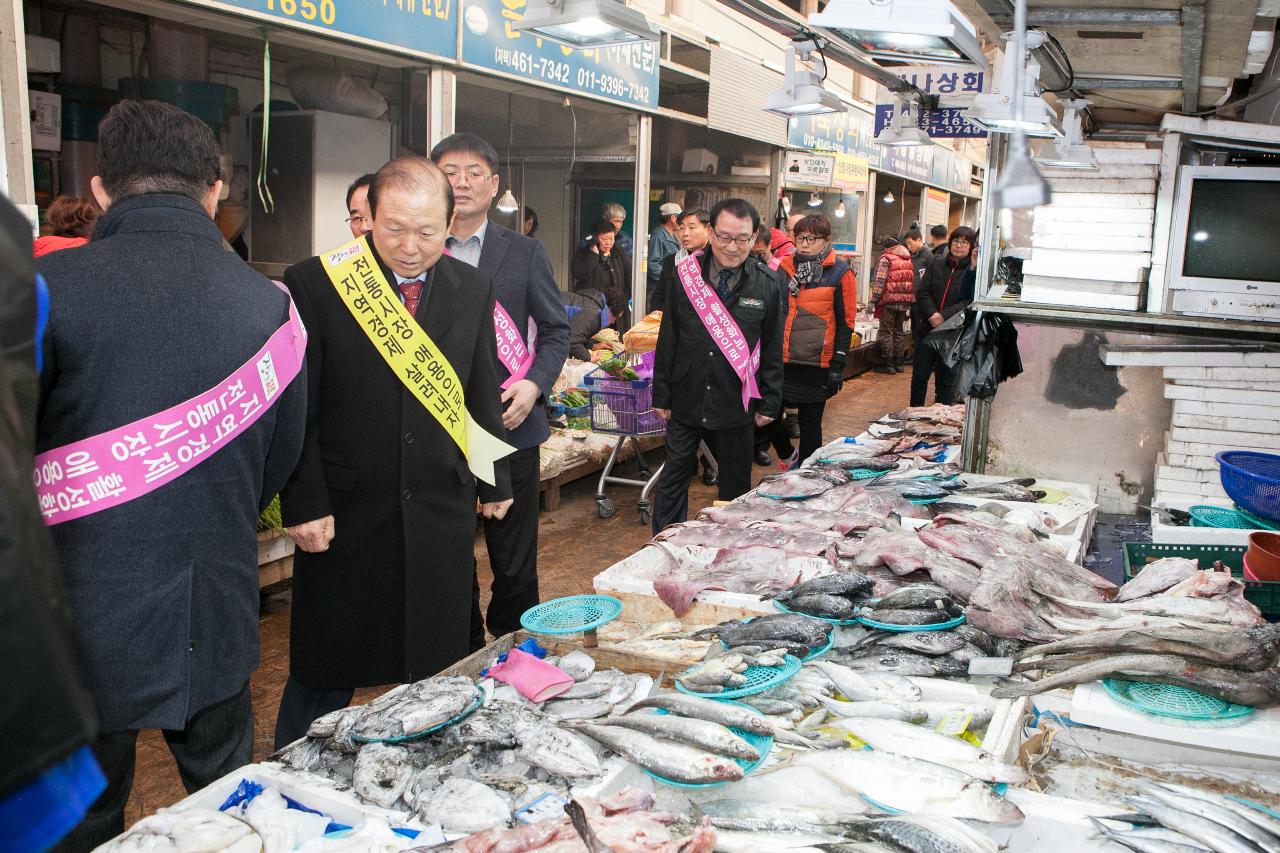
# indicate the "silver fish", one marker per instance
pixel 382 772
pixel 732 716
pixel 1216 813
pixel 578 664
pixel 923 642
pixel 464 805
pixel 697 733
pixel 561 753
pixel 668 759
pixel 1142 842
pixel 918 742
pixel 1214 835
pixel 576 709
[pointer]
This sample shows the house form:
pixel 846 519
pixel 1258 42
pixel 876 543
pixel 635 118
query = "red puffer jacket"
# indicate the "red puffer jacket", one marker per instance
pixel 898 286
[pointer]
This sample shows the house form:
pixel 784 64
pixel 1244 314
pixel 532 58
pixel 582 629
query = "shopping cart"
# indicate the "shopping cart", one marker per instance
pixel 624 408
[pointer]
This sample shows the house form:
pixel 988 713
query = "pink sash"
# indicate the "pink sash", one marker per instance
pixel 720 325
pixel 512 352
pixel 127 462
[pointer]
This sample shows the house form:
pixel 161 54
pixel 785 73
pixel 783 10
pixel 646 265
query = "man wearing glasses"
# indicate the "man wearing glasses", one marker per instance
pixel 358 206
pixel 529 307
pixel 718 367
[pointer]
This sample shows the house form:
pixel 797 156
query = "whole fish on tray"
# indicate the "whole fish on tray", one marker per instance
pixel 918 742
pixel 1156 577
pixel 1252 649
pixel 754 569
pixel 770 631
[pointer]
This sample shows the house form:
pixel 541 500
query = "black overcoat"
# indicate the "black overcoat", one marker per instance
pixel 390 600
pixel 164 588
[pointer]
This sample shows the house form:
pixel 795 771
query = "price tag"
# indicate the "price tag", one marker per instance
pixel 1068 509
pixel 547 806
pixel 991 666
pixel 954 723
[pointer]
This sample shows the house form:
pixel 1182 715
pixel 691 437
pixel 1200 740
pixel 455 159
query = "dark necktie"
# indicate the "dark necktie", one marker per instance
pixel 410 293
pixel 722 286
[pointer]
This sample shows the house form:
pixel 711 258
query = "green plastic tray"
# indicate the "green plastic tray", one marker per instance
pixel 1265 595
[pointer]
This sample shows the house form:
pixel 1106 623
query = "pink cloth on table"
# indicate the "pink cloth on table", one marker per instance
pixel 536 679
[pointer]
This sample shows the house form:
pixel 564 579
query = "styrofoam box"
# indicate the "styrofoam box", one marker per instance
pixel 1103 186
pixel 1173 534
pixel 700 160
pixel 1052 239
pixel 1083 285
pixel 1214 356
pixel 1081 298
pixel 1173 500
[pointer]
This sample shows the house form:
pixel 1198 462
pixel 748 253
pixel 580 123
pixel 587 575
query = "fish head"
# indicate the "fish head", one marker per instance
pixel 980 801
pixel 999 771
pixel 720 768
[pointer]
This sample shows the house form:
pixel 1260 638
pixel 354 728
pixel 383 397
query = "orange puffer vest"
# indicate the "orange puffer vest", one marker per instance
pixel 809 336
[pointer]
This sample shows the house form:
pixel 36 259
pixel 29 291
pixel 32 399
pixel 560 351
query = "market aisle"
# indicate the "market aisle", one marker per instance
pixel 575 545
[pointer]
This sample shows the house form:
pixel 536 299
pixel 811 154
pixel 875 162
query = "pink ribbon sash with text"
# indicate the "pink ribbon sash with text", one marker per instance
pixel 720 325
pixel 512 352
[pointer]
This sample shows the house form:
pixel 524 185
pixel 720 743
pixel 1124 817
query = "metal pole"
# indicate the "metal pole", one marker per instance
pixel 639 261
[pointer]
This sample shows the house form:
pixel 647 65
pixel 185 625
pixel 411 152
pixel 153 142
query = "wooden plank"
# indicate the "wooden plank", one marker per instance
pixel 275 572
pixel 1101 200
pixel 1092 243
pixel 1222 395
pixel 605 658
pixel 1230 374
pixel 1199 407
pixel 1084 213
pixel 1225 439
pixel 1104 186
pixel 272 546
pixel 1224 423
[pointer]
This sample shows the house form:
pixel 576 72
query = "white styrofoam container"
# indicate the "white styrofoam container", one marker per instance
pixel 1084 285
pixel 1086 214
pixel 1226 440
pixel 1230 374
pixel 1106 170
pixel 1210 422
pixel 1041 295
pixel 1212 408
pixel 1089 228
pixel 1104 186
pixel 1122 356
pixel 1173 500
pixel 1097 266
pixel 1222 395
pixel 1120 201
pixel 700 160
pixel 44 55
pixel 1174 534
pixel 1195 489
pixel 1051 239
pixel 1108 156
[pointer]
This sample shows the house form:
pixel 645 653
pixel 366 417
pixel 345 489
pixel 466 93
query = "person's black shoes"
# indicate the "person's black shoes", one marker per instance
pixel 763 459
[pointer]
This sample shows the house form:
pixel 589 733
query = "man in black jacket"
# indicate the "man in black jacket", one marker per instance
pixel 695 387
pixel 944 288
pixel 164 588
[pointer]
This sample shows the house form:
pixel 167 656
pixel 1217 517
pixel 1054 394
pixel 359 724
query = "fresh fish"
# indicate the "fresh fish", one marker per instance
pixel 1252 649
pixel 921 834
pixel 915 596
pixel 1258 818
pixel 413 708
pixel 907 663
pixel 923 642
pixel 1156 577
pixel 979 713
pixel 907 617
pixel 755 840
pixel 1143 842
pixel 464 805
pixel 918 742
pixel 1255 689
pixel 381 774
pixel 578 665
pixel 907 784
pixel 1011 490
pixel 665 758
pixel 186 830
pixel 858 686
pixel 731 716
pixel 827 606
pixel 851 585
pixel 966 653
pixel 578 819
pixel 771 630
pixel 1212 834
pixel 1218 814
pixel 576 709
pixel 977 636
pixel 909 712
pixel 697 733
pixel 593 688
pixel 1237 613
pixel 559 752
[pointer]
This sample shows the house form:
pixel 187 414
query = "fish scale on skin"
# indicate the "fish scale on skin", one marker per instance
pixel 668 759
pixel 697 733
pixel 1216 836
pixel 708 709
pixel 1216 813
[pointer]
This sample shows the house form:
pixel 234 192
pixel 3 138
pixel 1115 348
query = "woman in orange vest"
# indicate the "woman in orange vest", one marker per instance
pixel 822 301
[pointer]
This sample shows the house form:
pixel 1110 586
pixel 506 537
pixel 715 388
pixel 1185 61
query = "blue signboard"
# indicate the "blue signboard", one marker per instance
pixel 627 74
pixel 421 26
pixel 942 123
pixel 914 162
pixel 851 132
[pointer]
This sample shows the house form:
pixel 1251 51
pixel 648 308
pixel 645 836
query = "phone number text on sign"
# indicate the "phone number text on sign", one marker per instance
pixel 563 74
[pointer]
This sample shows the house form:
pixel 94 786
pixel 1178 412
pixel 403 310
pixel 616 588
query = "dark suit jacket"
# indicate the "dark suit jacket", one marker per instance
pixel 614 280
pixel 525 285
pixel 390 599
pixel 164 588
pixel 692 378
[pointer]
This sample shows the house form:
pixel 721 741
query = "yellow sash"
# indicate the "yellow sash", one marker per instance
pixel 410 353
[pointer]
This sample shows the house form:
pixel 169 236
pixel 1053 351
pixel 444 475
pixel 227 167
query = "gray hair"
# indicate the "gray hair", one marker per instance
pixel 612 210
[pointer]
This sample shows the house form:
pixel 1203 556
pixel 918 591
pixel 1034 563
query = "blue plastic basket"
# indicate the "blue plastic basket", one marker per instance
pixel 906 629
pixel 762 743
pixel 571 614
pixel 1252 479
pixel 1169 700
pixel 759 679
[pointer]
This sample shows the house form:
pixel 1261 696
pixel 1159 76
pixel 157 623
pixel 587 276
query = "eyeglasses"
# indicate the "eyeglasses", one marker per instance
pixel 742 240
pixel 358 220
pixel 808 239
pixel 473 177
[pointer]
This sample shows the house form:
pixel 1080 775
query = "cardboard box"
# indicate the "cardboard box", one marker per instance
pixel 46 121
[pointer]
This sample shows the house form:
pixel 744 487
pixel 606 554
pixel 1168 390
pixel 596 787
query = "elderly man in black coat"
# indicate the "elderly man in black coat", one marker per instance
pixel 695 387
pixel 383 504
pixel 164 588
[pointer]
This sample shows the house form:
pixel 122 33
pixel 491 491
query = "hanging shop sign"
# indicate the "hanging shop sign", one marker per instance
pixel 952 171
pixel 942 123
pixel 915 163
pixel 428 27
pixel 810 170
pixel 851 132
pixel 955 85
pixel 625 74
pixel 852 173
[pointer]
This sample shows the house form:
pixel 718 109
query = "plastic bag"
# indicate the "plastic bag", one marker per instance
pixel 317 88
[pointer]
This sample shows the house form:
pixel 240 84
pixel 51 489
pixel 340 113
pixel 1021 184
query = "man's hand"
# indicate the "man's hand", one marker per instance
pixel 595 247
pixel 598 356
pixel 763 420
pixel 523 395
pixel 312 536
pixel 935 319
pixel 496 511
pixel 665 414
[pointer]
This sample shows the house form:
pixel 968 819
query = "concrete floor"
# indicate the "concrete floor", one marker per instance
pixel 575 544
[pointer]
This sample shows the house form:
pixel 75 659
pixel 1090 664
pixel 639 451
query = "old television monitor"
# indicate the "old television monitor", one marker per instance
pixel 1226 230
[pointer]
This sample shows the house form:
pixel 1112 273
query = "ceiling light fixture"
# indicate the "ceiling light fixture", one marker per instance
pixel 888 197
pixel 1021 186
pixel 586 23
pixel 507 203
pixel 904 128
pixel 920 31
pixel 840 210
pixel 1016 104
pixel 815 199
pixel 1070 151
pixel 802 91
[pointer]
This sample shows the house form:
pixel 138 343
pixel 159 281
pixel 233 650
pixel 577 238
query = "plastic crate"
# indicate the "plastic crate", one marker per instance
pixel 1265 595
pixel 622 406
